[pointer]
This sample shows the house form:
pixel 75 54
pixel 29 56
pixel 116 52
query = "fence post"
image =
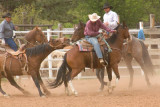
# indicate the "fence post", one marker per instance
pixel 140 25
pixel 152 21
pixel 49 56
pixel 60 28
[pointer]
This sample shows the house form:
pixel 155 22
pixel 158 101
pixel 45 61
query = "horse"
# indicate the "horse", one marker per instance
pixel 28 63
pixel 137 49
pixel 76 61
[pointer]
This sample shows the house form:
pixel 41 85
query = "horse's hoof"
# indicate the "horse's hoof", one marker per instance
pixel 26 93
pixel 76 93
pixel 6 96
pixel 100 90
pixel 48 93
pixel 109 91
pixel 113 87
pixel 43 96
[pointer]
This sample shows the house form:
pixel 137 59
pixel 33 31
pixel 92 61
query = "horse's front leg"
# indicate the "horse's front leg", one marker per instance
pixel 42 84
pixel 35 79
pixel 109 72
pixel 100 76
pixel 116 72
pixel 1 90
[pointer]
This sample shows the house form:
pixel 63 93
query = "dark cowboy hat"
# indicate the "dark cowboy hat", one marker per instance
pixel 107 6
pixel 6 15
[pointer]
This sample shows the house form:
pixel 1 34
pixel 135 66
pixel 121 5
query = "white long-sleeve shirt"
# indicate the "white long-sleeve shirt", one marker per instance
pixel 112 18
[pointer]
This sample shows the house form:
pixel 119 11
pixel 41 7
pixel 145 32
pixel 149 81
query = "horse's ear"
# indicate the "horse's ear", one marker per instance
pixel 124 24
pixel 81 23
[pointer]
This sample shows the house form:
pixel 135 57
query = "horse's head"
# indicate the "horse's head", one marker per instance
pixel 39 35
pixel 59 43
pixel 78 33
pixel 123 30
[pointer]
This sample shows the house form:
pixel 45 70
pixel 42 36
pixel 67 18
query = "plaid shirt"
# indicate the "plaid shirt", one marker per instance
pixel 92 29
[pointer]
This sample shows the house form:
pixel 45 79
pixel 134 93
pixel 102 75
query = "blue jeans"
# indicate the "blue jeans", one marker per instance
pixel 11 43
pixel 94 42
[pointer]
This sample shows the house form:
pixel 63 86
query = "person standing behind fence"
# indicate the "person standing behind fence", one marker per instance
pixel 6 31
pixel 141 35
pixel 110 18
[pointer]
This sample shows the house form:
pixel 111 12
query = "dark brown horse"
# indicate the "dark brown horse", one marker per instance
pixel 28 63
pixel 76 61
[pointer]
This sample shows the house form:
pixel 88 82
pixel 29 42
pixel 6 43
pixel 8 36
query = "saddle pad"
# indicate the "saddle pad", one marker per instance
pixel 84 48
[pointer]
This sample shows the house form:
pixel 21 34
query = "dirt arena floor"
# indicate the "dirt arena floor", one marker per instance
pixel 89 96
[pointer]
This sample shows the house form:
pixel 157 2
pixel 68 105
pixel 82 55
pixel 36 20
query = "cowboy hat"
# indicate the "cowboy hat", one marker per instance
pixel 93 17
pixel 6 15
pixel 107 6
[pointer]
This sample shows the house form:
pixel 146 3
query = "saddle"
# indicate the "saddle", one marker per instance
pixel 7 52
pixel 84 45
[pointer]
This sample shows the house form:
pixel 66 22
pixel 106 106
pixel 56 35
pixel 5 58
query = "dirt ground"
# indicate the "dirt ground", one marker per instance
pixel 88 95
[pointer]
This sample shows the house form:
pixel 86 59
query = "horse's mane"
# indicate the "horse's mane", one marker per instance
pixel 39 49
pixel 114 36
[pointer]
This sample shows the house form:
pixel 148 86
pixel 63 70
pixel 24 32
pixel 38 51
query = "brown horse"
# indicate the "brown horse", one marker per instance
pixel 28 63
pixel 76 61
pixel 31 39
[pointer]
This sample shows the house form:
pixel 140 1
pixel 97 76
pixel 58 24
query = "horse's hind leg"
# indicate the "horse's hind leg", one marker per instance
pixel 128 60
pixel 100 76
pixel 42 84
pixel 140 61
pixel 12 81
pixel 67 79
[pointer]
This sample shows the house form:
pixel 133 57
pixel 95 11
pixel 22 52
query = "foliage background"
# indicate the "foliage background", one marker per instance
pixel 69 12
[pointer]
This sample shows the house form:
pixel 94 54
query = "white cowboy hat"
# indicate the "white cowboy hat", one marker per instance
pixel 93 17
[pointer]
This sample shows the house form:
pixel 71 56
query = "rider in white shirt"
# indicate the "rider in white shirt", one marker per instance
pixel 110 18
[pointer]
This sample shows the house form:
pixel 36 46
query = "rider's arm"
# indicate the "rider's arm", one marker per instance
pixel 104 27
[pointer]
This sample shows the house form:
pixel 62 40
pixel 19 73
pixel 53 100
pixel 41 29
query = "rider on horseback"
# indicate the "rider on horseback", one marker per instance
pixel 6 31
pixel 91 33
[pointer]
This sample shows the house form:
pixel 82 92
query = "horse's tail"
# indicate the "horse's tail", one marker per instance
pixel 146 58
pixel 61 76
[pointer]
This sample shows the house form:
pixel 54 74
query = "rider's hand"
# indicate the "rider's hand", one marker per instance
pixel 113 31
pixel 106 23
pixel 3 42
